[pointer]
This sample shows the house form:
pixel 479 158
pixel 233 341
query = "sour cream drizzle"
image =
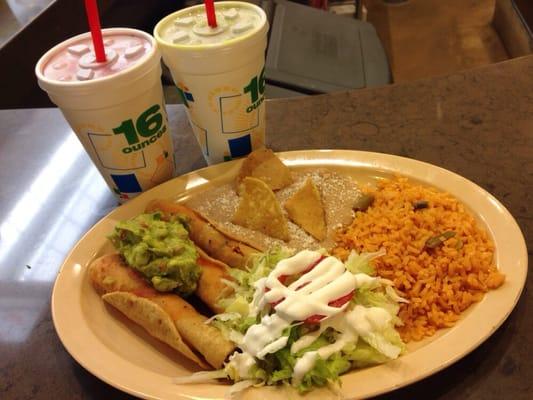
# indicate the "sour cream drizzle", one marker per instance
pixel 361 321
pixel 309 295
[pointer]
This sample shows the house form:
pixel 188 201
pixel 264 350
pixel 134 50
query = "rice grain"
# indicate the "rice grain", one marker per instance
pixel 440 283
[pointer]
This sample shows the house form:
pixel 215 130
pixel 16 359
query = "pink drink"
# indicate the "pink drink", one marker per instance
pixel 77 62
pixel 116 108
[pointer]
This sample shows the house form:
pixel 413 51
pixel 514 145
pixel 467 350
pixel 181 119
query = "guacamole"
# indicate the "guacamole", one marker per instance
pixel 160 250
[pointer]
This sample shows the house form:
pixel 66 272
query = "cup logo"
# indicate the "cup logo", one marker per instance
pixel 144 131
pixel 136 154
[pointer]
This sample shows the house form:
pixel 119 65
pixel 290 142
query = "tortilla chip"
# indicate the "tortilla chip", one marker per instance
pixel 306 210
pixel 240 235
pixel 153 319
pixel 259 209
pixel 265 165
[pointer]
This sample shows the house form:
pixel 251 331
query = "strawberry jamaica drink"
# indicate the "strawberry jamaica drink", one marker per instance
pixel 116 107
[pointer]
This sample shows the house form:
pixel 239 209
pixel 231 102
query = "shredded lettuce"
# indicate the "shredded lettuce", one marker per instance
pixel 327 337
pixel 376 298
pixel 360 263
pixel 201 377
pixel 372 346
pixel 361 354
pixel 324 372
pixel 379 341
pixel 260 265
pixel 239 387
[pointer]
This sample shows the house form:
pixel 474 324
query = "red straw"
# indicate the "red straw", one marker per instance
pixel 96 32
pixel 210 11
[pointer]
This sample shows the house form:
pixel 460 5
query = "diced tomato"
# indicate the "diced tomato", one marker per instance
pixel 313 265
pixel 304 285
pixel 315 319
pixel 342 300
pixel 275 303
pixel 283 279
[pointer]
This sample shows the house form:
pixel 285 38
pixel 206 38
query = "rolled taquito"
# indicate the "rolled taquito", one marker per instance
pixel 110 274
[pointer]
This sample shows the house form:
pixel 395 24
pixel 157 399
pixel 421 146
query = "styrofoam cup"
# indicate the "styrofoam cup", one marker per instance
pixel 219 73
pixel 116 109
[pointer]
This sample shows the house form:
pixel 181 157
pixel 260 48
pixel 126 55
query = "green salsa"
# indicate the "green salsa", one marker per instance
pixel 160 250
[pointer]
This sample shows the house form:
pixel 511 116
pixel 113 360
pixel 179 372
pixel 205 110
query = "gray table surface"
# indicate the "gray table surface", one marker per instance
pixel 478 124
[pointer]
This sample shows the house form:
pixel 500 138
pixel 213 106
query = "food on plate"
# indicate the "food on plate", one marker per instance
pixel 215 243
pixel 160 249
pixel 111 274
pixel 305 209
pixel 153 319
pixel 436 255
pixel 263 164
pixel 363 202
pixel 211 284
pixel 259 209
pixel 420 204
pixel 304 319
pixel 338 193
pixel 343 279
pixel 438 240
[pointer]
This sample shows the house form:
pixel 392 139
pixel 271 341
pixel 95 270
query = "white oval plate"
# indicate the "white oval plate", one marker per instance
pixel 124 356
